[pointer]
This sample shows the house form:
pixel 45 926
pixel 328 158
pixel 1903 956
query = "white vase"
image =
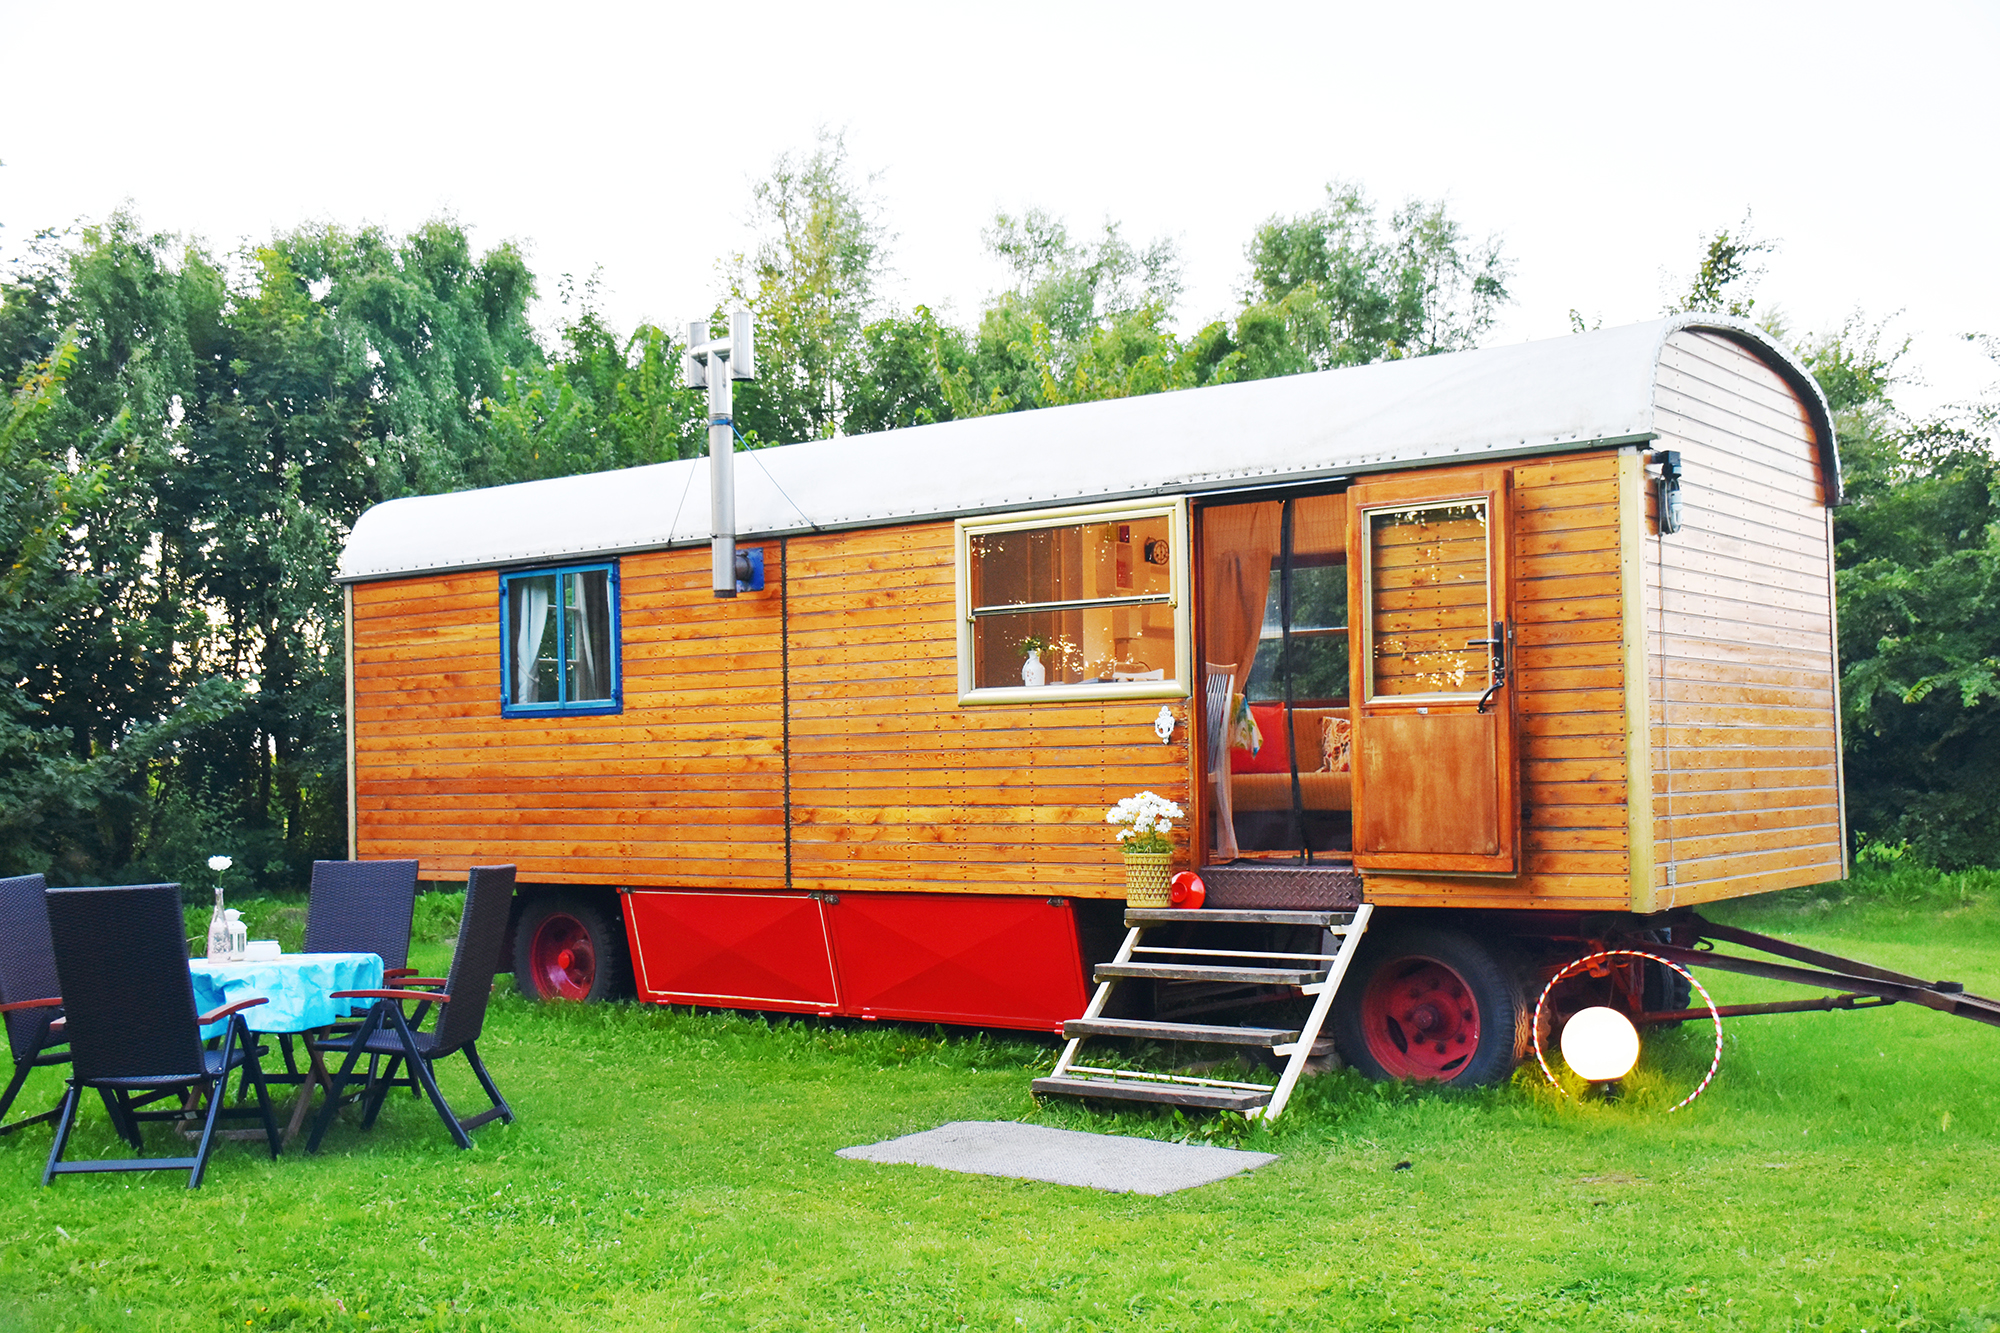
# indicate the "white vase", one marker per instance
pixel 1032 670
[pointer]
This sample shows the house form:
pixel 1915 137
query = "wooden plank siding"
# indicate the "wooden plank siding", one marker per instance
pixel 1569 705
pixel 892 785
pixel 1742 692
pixel 897 786
pixel 685 786
pixel 811 737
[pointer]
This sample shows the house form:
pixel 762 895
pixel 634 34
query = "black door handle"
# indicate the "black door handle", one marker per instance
pixel 1498 643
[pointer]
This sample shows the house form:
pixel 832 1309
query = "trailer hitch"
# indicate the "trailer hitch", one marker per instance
pixel 1860 985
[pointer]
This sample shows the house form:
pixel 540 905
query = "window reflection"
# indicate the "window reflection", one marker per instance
pixel 1428 599
pixel 1090 600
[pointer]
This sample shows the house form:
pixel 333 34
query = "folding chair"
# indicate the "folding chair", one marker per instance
pixel 363 907
pixel 461 1007
pixel 128 1006
pixel 28 991
pixel 358 907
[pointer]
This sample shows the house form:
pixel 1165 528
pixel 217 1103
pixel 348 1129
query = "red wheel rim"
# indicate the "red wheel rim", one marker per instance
pixel 563 958
pixel 1420 1019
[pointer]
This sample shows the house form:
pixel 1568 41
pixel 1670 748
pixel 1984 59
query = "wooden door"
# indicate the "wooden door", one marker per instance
pixel 1436 785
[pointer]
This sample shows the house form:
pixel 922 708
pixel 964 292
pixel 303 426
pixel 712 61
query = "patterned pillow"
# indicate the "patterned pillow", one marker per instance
pixel 1336 744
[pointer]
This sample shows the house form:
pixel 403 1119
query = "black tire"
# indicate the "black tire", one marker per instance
pixel 1379 1030
pixel 596 965
pixel 1664 989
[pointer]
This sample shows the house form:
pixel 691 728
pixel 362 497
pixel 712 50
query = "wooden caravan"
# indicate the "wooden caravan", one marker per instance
pixel 1504 644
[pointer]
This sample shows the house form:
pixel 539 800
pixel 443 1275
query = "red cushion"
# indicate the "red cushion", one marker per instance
pixel 1276 756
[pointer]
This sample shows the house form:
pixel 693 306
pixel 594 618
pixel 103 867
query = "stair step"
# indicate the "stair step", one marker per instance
pixel 1269 976
pixel 1136 1027
pixel 1142 1090
pixel 1161 916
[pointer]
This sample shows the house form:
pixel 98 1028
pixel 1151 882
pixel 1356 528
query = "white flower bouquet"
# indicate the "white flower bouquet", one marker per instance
pixel 1148 822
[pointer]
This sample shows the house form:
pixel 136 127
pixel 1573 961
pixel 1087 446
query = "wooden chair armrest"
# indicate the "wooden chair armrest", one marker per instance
pixel 391 995
pixel 420 981
pixel 52 1002
pixel 397 973
pixel 217 1015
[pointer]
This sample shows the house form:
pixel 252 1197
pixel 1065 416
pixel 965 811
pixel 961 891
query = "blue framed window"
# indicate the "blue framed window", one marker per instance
pixel 559 645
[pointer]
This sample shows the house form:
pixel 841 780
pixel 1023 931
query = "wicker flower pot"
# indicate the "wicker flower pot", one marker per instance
pixel 1146 877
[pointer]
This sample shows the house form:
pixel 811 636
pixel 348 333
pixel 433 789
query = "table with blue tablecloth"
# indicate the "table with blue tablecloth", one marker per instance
pixel 299 989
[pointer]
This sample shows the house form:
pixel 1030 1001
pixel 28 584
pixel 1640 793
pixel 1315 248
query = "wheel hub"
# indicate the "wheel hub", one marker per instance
pixel 563 957
pixel 1420 1019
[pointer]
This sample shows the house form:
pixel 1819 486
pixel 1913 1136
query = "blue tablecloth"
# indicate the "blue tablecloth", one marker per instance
pixel 298 986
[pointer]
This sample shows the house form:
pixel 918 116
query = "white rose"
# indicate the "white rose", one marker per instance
pixel 219 863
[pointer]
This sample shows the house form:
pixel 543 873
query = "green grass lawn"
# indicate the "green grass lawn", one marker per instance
pixel 672 1169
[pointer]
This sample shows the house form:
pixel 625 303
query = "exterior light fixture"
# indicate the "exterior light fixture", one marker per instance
pixel 1669 487
pixel 1542 1004
pixel 1600 1044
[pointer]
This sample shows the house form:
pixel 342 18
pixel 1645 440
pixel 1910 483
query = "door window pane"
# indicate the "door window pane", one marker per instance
pixel 1318 662
pixel 1428 599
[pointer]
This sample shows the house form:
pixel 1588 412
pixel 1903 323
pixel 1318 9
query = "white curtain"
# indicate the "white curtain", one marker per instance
pixel 531 621
pixel 1219 686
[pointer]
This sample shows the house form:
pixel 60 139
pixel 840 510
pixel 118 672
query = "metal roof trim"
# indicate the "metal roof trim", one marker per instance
pixel 1561 394
pixel 1791 370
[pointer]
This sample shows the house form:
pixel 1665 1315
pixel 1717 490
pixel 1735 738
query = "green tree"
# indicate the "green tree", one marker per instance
pixel 1918 551
pixel 1348 291
pixel 349 367
pixel 1725 280
pixel 599 402
pixel 811 283
pixel 95 707
pixel 907 364
pixel 181 636
pixel 1080 321
pixel 103 664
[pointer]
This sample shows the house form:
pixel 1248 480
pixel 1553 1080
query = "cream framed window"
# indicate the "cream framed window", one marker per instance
pixel 1085 602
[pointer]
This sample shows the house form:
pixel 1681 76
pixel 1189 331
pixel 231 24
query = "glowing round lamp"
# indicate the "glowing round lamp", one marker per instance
pixel 1600 1044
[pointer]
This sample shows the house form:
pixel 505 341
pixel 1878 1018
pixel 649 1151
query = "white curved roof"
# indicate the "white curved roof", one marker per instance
pixel 1563 393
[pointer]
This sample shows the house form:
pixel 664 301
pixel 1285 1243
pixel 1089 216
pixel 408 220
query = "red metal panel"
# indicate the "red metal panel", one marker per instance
pixel 753 950
pixel 952 958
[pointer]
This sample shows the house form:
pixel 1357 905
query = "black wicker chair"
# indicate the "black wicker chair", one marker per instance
pixel 388 1032
pixel 358 907
pixel 363 907
pixel 29 995
pixel 133 1032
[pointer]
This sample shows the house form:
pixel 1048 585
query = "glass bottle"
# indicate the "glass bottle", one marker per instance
pixel 218 931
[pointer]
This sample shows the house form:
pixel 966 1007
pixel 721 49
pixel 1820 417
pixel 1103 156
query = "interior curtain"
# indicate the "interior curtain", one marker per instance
pixel 1319 526
pixel 1239 542
pixel 531 620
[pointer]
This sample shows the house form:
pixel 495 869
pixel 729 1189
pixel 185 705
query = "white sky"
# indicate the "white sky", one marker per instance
pixel 1603 142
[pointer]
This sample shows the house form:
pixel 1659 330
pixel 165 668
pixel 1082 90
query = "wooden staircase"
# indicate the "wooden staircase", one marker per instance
pixel 1317 975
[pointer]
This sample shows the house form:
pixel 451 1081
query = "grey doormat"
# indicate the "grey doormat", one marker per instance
pixel 1062 1156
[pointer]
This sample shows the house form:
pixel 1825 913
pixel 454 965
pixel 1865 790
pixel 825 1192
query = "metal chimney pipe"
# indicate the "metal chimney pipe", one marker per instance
pixel 721 481
pixel 707 362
